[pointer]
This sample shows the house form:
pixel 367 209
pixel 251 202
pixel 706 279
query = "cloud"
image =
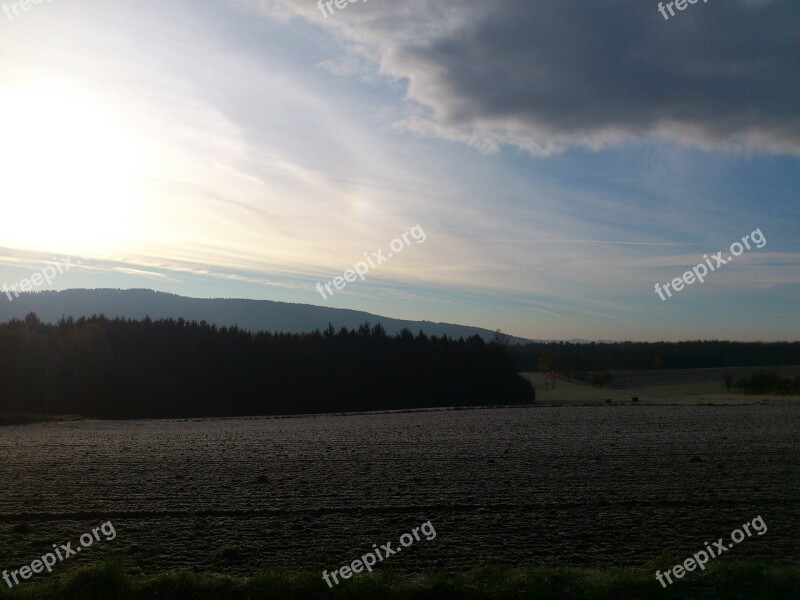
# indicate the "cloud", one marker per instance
pixel 548 75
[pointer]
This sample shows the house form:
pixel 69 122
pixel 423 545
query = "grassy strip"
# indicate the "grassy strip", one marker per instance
pixel 731 580
pixel 12 418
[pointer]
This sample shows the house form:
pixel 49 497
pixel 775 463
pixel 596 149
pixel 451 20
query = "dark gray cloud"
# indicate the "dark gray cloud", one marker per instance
pixel 547 74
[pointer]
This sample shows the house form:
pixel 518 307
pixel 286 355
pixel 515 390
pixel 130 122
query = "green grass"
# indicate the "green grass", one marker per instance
pixel 15 418
pixel 686 387
pixel 731 580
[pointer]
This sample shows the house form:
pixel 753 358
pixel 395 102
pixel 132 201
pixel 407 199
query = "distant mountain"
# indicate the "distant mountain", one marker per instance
pixel 253 315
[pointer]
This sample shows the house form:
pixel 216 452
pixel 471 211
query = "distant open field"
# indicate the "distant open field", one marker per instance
pixel 677 386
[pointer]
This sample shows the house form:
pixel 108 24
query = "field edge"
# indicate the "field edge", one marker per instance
pixel 729 579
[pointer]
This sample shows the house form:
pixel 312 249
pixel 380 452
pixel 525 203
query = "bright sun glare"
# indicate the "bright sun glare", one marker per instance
pixel 69 171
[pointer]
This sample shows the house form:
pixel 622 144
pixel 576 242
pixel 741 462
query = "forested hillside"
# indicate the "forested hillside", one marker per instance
pixel 130 369
pixel 567 358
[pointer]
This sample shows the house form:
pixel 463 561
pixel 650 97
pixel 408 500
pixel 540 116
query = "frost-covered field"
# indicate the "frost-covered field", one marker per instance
pixel 594 485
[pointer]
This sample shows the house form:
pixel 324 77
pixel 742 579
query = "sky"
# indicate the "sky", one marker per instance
pixel 560 157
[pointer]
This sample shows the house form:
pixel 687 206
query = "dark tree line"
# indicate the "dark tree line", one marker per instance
pixel 578 359
pixel 132 369
pixel 763 383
